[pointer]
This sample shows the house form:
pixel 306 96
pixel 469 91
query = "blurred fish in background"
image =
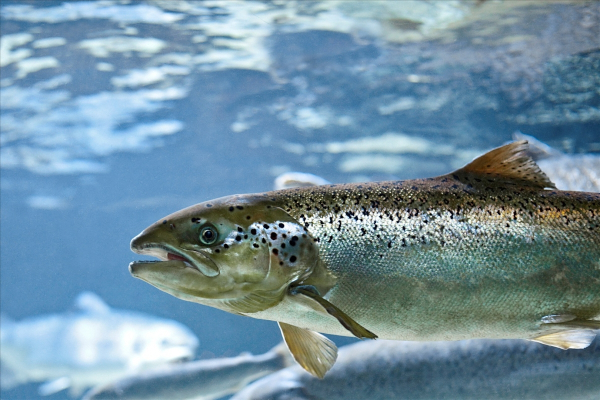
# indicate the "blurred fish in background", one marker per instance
pixel 470 369
pixel 379 370
pixel 89 346
pixel 201 380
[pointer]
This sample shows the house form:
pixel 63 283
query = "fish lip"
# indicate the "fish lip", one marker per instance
pixel 189 262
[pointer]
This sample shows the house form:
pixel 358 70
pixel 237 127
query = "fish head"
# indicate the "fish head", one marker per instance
pixel 238 253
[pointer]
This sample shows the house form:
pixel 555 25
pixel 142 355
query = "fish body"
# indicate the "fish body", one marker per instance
pixel 199 380
pixel 470 369
pixel 484 252
pixel 433 260
pixel 91 345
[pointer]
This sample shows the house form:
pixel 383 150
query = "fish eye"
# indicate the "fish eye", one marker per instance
pixel 208 235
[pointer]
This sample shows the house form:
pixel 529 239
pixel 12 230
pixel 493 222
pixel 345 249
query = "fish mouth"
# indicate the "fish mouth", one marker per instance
pixel 179 354
pixel 193 259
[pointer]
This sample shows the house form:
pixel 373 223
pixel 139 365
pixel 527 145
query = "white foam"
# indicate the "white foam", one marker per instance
pixel 144 77
pixel 46 202
pixel 29 65
pixel 8 43
pixel 387 143
pixel 105 67
pixel 54 134
pixel 374 163
pixel 103 47
pixel 49 42
pixel 53 83
pixel 30 99
pixel 70 11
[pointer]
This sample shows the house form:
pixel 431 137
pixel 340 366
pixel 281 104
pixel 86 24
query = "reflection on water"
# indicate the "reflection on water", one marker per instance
pixel 114 113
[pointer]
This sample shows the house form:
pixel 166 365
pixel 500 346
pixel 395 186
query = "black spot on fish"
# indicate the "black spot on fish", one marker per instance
pixel 239 229
pixel 209 205
pixel 281 225
pixel 164 222
pixel 231 208
pixel 273 236
pixel 264 240
pixel 255 245
pixel 238 238
pixel 266 226
pixel 293 259
pixel 275 251
pixel 253 231
pixel 283 245
pixel 247 217
pixel 217 251
pixel 239 207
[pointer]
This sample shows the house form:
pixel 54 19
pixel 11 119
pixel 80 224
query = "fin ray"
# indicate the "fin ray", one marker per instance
pixel 511 164
pixel 313 351
pixel 568 339
pixel 256 301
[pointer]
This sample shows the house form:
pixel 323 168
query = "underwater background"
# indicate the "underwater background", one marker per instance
pixel 117 113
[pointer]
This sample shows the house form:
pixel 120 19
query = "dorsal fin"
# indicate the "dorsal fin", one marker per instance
pixel 509 163
pixel 91 303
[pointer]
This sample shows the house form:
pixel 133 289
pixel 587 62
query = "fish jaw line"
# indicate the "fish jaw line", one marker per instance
pixel 166 252
pixel 178 354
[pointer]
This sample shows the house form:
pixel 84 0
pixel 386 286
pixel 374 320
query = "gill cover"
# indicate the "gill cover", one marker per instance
pixel 256 252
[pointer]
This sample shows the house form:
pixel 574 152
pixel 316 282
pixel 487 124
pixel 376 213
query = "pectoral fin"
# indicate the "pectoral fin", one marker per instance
pixel 351 325
pixel 313 351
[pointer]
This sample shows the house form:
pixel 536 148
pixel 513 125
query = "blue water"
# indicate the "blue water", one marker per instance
pixel 102 138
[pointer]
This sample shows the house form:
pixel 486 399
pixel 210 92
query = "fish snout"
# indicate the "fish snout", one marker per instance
pixel 137 243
